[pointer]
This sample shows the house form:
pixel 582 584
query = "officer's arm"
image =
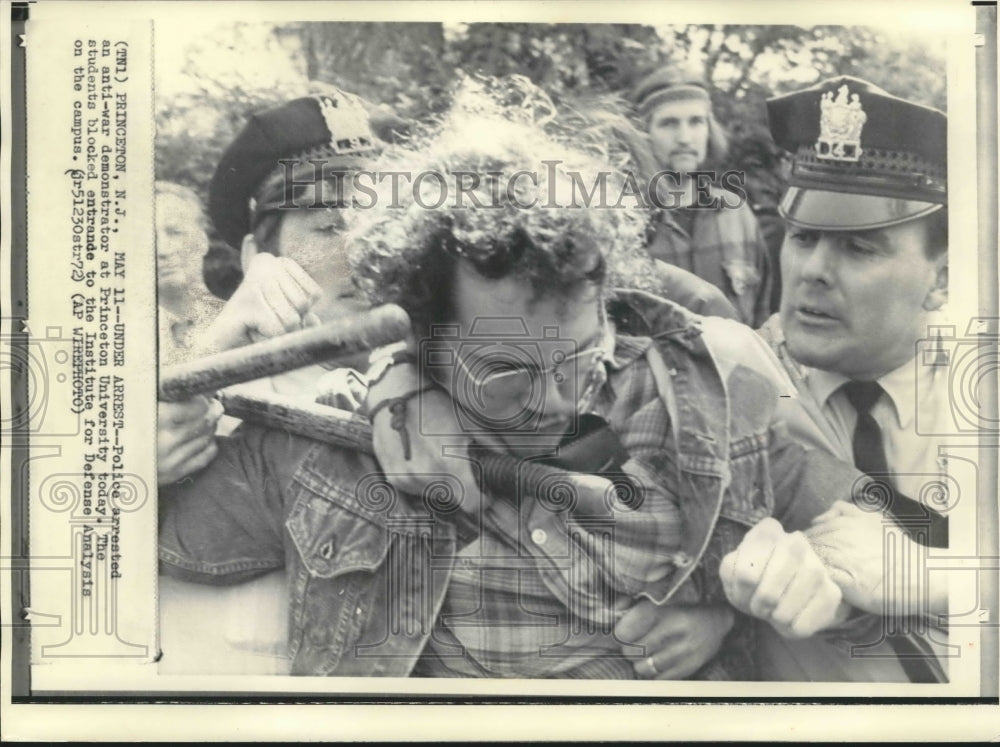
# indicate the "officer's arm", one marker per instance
pixel 815 494
pixel 852 542
pixel 775 574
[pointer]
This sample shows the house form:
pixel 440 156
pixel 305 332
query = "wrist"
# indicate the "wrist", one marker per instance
pixel 227 331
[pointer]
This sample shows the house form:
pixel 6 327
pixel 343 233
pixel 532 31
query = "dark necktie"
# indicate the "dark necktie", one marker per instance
pixel 869 457
pixel 869 452
pixel 922 523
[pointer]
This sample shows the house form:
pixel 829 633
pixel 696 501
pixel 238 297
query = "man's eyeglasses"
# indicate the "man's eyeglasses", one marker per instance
pixel 517 375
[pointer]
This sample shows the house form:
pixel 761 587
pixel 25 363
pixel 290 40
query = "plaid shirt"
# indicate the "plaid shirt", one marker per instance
pixel 510 614
pixel 722 245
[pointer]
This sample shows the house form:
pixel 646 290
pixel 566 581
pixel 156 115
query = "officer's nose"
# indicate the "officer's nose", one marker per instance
pixel 819 263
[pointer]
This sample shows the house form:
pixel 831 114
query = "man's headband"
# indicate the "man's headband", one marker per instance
pixel 684 92
pixel 666 85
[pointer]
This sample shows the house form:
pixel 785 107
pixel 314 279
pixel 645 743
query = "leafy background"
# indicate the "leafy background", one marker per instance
pixel 206 85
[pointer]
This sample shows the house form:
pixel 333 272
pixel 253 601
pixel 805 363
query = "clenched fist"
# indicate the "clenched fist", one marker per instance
pixel 777 577
pixel 276 296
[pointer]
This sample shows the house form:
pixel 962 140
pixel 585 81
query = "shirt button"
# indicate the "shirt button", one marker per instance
pixel 538 536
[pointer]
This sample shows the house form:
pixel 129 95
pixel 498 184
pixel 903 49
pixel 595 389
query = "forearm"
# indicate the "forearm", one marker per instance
pixel 807 482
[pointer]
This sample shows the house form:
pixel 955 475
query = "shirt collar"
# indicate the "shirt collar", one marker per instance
pixel 903 386
pixel 626 351
pixel 900 384
pixel 823 383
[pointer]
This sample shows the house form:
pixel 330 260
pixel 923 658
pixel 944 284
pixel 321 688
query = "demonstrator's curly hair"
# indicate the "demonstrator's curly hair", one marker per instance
pixel 406 247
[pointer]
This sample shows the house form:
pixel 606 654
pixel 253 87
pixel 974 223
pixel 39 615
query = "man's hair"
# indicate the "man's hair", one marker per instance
pixel 220 269
pixel 718 143
pixel 424 287
pixel 408 254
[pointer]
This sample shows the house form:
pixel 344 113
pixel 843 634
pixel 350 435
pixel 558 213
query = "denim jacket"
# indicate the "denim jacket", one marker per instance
pixel 368 568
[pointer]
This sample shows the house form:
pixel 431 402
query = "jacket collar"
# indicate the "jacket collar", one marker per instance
pixel 642 314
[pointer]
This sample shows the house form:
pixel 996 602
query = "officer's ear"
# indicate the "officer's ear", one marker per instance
pixel 248 249
pixel 937 296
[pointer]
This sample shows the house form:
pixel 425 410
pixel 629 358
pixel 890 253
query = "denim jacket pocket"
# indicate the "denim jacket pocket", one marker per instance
pixel 749 498
pixel 333 536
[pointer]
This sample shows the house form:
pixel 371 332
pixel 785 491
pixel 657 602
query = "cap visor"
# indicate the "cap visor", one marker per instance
pixel 845 211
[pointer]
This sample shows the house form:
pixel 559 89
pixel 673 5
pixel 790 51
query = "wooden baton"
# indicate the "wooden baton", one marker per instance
pixel 502 474
pixel 321 422
pixel 328 342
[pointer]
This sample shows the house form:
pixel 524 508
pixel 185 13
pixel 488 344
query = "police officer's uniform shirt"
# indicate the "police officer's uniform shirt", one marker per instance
pixel 913 455
pixel 914 405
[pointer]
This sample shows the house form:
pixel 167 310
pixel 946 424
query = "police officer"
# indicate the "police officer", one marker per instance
pixel 865 269
pixel 278 196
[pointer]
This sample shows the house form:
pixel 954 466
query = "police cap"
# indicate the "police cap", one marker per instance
pixel 862 158
pixel 315 136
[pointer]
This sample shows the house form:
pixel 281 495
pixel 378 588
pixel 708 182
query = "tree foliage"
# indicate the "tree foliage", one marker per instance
pixel 410 67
